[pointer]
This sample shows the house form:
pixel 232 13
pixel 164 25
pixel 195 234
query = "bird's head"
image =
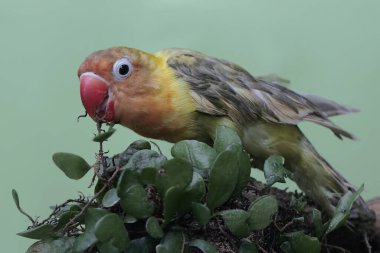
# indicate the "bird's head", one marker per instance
pixel 112 79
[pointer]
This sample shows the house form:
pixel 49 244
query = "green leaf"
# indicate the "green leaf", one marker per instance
pixel 135 202
pixel 104 135
pixel 237 221
pixel 201 213
pixel 65 218
pixel 88 238
pixel 224 137
pixel 140 145
pixel 173 242
pixel 203 246
pixel 244 168
pixel 16 199
pixel 110 229
pixel 17 202
pixel 74 167
pixel 301 243
pixel 127 179
pixel 145 158
pixel 122 159
pixel 174 172
pixel 247 247
pixel 110 198
pixel 196 190
pixel 198 154
pixel 40 232
pixel 223 175
pixel 60 245
pixel 342 211
pixel 317 222
pixel 153 228
pixel 107 247
pixel 98 186
pixel 141 245
pixel 286 247
pixel 129 219
pixel 274 170
pixel 261 212
pixel 174 200
pixel 148 176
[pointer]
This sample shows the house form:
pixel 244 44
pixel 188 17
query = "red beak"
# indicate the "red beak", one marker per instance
pixel 95 97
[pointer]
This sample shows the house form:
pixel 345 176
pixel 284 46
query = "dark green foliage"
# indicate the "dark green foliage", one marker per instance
pixel 40 232
pixel 143 201
pixel 298 242
pixel 237 221
pixel 198 154
pixel 153 228
pixel 74 166
pixel 261 212
pixel 202 245
pixel 223 175
pixel 60 245
pixel 247 247
pixel 274 170
pixel 342 211
pixel 104 135
pixel 110 198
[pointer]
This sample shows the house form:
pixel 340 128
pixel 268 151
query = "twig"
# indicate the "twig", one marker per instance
pixel 57 208
pixel 335 247
pixel 93 179
pixel 99 157
pixel 367 244
pixel 260 248
pixel 105 186
pixel 82 116
pixel 282 229
pixel 158 147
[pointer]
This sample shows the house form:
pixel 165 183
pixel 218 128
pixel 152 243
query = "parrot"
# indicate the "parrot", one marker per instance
pixel 180 94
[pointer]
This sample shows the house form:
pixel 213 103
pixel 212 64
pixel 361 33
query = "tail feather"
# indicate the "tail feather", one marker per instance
pixel 326 185
pixel 337 130
pixel 328 107
pixel 313 174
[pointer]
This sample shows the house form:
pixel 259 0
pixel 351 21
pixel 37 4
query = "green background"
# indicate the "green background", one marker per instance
pixel 328 47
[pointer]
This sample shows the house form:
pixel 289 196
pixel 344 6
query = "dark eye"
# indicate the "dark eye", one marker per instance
pixel 122 68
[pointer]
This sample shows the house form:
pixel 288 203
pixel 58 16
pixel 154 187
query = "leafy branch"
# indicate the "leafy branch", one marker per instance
pixel 145 202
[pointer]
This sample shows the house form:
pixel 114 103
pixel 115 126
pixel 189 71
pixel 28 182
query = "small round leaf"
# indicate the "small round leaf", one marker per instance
pixel 198 154
pixel 224 137
pixel 236 221
pixel 105 135
pixel 153 228
pixel 261 212
pixel 110 228
pixel 223 175
pixel 110 198
pixel 203 246
pixel 74 166
pixel 201 213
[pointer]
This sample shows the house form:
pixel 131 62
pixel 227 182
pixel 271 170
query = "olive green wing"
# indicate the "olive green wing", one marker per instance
pixel 222 88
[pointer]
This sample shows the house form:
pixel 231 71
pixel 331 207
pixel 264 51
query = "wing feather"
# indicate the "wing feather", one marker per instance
pixel 222 88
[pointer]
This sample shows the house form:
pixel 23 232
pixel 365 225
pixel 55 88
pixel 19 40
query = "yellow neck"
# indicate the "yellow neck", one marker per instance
pixel 168 112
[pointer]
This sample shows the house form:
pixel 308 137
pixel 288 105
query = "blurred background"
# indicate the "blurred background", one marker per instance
pixel 330 48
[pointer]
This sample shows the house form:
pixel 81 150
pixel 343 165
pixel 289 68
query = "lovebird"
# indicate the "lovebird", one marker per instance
pixel 177 94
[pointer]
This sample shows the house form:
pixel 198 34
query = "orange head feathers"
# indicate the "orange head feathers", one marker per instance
pixel 136 89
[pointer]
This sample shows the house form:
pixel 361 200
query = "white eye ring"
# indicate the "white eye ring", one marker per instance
pixel 122 68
